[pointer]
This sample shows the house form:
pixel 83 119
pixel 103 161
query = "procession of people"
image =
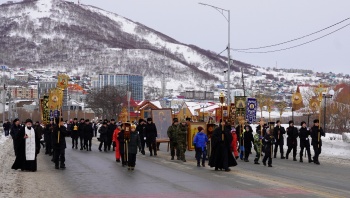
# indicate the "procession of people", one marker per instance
pixel 127 139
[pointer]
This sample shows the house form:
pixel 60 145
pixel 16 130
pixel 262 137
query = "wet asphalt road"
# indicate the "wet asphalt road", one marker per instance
pixel 97 174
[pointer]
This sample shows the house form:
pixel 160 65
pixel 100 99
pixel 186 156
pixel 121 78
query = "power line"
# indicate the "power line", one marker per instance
pixel 255 52
pixel 292 39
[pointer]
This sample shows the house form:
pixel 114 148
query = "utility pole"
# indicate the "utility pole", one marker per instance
pixel 221 10
pixel 243 82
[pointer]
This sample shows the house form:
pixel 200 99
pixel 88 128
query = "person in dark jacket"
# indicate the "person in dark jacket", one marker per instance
pixel 141 129
pixel 111 127
pixel 7 127
pixel 200 143
pixel 121 141
pixel 59 144
pixel 88 134
pixel 221 156
pixel 37 127
pixel 28 147
pixel 172 134
pixel 262 132
pixel 292 142
pixel 81 133
pixel 278 133
pixel 103 136
pixel 304 141
pixel 316 133
pixel 74 133
pixel 133 143
pixel 269 141
pixel 48 138
pixel 151 135
pixel 248 140
pixel 14 132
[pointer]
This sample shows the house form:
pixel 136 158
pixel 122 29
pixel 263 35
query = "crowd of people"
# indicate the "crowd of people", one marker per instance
pixel 226 144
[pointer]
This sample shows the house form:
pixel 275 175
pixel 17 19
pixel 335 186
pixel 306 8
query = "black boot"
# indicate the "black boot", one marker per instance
pixel 63 166
pixel 310 160
pixel 301 159
pixel 172 157
pixel 56 166
pixel 287 155
pixel 295 159
pixel 274 156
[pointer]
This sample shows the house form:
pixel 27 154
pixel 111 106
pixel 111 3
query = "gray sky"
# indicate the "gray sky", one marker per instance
pixel 254 23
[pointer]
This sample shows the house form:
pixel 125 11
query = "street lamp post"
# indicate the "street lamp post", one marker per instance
pixel 228 47
pixel 325 96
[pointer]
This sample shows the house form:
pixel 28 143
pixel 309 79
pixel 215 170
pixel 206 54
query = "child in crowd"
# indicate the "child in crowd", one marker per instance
pixel 200 143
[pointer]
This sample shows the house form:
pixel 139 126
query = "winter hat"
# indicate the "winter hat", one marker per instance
pixel 15 120
pixel 149 119
pixel 104 123
pixel 200 128
pixel 29 120
pixel 303 122
pixel 141 120
pixel 112 119
pixel 175 120
pixel 316 121
pixel 291 122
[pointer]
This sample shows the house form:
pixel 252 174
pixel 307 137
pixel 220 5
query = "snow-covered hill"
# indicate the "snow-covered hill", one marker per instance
pixel 55 33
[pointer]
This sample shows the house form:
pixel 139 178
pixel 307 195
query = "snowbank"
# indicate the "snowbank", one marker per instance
pixel 346 137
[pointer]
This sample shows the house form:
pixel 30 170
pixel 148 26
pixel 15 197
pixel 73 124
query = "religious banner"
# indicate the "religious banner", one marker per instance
pixel 55 99
pixel 241 104
pixel 252 106
pixel 45 109
pixel 62 81
pixel 232 113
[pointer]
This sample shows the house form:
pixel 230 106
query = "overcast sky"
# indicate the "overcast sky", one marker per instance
pixel 254 23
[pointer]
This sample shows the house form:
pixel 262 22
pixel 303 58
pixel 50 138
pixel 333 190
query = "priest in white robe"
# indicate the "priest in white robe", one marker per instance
pixel 28 146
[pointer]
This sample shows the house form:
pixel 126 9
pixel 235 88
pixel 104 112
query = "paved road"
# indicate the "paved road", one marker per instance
pixel 96 174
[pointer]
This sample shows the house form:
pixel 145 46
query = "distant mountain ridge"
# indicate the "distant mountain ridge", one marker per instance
pixel 48 33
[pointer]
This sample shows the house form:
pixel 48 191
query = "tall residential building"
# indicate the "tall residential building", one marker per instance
pixel 23 92
pixel 133 82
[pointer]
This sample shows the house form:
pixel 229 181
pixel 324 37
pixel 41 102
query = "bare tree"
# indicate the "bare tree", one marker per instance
pixel 108 101
pixel 261 101
pixel 282 107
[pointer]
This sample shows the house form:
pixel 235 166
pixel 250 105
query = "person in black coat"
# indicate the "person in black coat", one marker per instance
pixel 304 141
pixel 151 135
pixel 269 141
pixel 248 141
pixel 74 128
pixel 292 142
pixel 81 133
pixel 88 134
pixel 111 127
pixel 28 147
pixel 103 136
pixel 121 141
pixel 221 155
pixel 7 127
pixel 48 138
pixel 14 132
pixel 316 133
pixel 59 144
pixel 278 133
pixel 141 129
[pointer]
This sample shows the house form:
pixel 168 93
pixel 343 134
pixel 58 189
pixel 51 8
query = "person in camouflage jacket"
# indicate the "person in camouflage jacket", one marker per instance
pixel 173 134
pixel 257 147
pixel 182 139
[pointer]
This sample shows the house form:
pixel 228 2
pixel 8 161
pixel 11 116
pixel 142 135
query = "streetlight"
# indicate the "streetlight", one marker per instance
pixel 330 94
pixel 228 47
